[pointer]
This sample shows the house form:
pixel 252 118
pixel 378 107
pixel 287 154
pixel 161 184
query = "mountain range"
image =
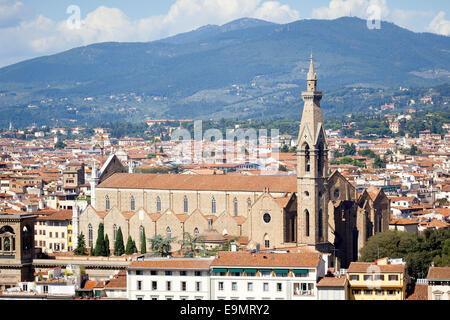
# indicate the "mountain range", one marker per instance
pixel 246 68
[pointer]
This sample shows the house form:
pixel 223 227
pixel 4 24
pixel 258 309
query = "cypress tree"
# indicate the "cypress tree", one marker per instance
pixel 81 248
pixel 107 252
pixel 143 243
pixel 100 249
pixel 134 247
pixel 129 247
pixel 119 248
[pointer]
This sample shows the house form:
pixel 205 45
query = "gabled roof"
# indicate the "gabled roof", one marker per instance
pixel 201 182
pixel 441 273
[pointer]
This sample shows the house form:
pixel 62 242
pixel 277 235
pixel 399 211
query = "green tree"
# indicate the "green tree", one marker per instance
pixel 419 251
pixel 60 144
pixel 284 149
pixel 143 242
pixel 191 246
pixel 100 248
pixel 349 150
pixel 81 247
pixel 107 251
pixel 129 248
pixel 379 163
pixel 161 246
pixel 119 248
pixel 282 168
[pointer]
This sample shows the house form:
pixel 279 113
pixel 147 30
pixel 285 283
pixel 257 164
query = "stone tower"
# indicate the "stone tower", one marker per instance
pixel 16 249
pixel 312 170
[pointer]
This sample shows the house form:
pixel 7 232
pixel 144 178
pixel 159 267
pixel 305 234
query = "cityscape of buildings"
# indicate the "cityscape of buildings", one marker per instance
pixel 284 225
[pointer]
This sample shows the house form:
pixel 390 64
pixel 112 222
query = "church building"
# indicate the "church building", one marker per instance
pixel 314 209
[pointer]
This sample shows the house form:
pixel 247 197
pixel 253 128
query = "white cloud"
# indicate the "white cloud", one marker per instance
pixel 410 19
pixel 12 12
pixel 39 35
pixel 440 25
pixel 355 8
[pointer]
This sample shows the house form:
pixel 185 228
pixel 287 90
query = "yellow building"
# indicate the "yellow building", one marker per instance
pixel 383 279
pixel 53 233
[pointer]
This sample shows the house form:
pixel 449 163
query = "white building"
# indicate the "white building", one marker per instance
pixel 333 288
pixel 438 283
pixel 228 276
pixel 169 279
pixel 266 276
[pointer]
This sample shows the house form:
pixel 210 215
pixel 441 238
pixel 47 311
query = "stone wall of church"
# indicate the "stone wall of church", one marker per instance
pixel 174 200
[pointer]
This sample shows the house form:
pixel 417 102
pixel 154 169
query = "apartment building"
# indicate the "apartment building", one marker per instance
pixel 228 276
pixel 266 276
pixel 384 279
pixel 169 279
pixel 53 233
pixel 438 279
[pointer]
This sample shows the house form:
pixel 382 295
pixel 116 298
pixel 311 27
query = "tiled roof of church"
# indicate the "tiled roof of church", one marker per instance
pixel 201 182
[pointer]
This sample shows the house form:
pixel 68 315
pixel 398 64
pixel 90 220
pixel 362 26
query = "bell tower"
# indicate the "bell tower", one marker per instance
pixel 312 169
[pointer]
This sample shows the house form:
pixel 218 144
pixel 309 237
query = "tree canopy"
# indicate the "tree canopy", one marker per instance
pixel 418 250
pixel 161 246
pixel 81 247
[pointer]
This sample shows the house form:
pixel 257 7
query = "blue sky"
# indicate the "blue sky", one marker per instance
pixel 141 8
pixel 32 28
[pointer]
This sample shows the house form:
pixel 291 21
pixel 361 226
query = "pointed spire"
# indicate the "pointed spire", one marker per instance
pixel 312 74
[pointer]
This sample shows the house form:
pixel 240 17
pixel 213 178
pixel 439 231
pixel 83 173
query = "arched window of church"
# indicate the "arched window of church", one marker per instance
pixel 168 233
pixel 158 204
pixel 249 203
pixel 266 241
pixel 196 232
pixel 307 223
pixel 320 160
pixel 307 158
pixel 213 205
pixel 380 220
pixel 90 236
pixel 7 245
pixel 133 204
pixel 107 203
pixel 186 207
pixel 114 233
pixel 235 207
pixel 320 227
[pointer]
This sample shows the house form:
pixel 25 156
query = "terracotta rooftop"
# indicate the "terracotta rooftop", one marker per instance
pixel 118 282
pixel 420 292
pixel 332 282
pixel 263 259
pixel 362 267
pixel 163 263
pixel 201 182
pixel 439 273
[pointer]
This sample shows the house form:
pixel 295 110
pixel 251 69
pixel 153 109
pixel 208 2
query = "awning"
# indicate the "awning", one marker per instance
pixel 219 270
pixel 236 270
pixel 251 270
pixel 300 271
pixel 265 270
pixel 281 271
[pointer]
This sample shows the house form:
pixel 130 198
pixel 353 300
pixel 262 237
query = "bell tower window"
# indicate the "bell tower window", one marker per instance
pixel 307 159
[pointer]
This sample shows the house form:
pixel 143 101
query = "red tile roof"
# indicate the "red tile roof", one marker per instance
pixel 201 182
pixel 362 267
pixel 182 264
pixel 442 273
pixel 332 282
pixel 262 259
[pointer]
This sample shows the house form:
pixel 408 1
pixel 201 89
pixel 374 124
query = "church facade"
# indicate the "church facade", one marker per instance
pixel 312 209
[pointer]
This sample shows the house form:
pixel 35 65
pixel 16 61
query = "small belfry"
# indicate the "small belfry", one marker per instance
pixel 312 169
